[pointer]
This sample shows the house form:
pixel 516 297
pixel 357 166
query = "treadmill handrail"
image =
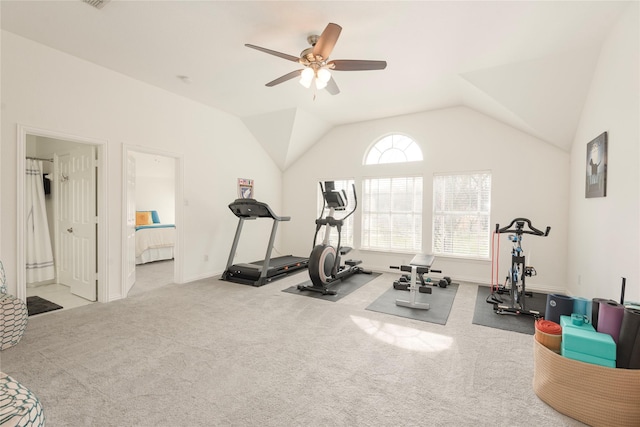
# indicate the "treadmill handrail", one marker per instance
pixel 251 208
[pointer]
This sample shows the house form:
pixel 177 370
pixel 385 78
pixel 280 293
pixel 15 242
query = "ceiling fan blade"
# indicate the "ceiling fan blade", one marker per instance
pixel 332 87
pixel 273 52
pixel 356 65
pixel 284 78
pixel 327 41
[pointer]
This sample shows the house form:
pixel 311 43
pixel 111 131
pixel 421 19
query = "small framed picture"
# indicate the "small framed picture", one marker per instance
pixel 596 174
pixel 245 188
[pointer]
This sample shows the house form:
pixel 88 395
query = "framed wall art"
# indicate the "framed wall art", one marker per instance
pixel 596 173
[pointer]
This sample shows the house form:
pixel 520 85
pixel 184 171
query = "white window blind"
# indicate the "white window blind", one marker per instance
pixel 461 215
pixel 347 228
pixel 392 214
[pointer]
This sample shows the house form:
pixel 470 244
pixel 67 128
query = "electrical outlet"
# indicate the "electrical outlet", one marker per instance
pixel 579 279
pixel 206 257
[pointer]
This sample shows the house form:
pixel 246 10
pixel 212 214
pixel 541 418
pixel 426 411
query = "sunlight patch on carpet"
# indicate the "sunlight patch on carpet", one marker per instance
pixel 404 337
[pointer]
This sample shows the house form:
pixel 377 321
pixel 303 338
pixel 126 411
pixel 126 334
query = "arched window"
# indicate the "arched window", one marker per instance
pixel 394 148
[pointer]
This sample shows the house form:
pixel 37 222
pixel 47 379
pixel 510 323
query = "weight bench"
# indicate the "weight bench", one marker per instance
pixel 419 265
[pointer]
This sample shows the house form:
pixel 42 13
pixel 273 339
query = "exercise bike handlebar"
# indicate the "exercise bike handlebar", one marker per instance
pixel 519 228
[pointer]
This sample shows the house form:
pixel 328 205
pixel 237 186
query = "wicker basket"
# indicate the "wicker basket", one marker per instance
pixel 593 394
pixel 552 342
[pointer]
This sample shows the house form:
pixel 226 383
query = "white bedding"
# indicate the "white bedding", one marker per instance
pixel 155 254
pixel 154 237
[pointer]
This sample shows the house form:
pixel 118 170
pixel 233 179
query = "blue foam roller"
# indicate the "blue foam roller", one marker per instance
pixel 558 305
pixel 582 306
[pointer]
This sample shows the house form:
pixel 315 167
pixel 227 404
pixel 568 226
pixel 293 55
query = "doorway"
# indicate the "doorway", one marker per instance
pixel 79 246
pixel 152 186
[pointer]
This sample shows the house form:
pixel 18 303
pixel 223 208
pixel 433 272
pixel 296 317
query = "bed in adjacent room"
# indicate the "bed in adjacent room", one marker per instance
pixel 154 240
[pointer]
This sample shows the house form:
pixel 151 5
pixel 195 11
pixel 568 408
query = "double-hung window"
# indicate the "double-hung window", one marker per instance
pixel 392 214
pixel 461 215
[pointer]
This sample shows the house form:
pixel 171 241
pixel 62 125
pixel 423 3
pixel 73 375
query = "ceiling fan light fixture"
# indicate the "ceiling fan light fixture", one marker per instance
pixel 324 75
pixel 315 61
pixel 306 77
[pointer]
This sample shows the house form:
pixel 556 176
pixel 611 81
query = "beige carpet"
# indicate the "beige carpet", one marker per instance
pixel 151 276
pixel 215 353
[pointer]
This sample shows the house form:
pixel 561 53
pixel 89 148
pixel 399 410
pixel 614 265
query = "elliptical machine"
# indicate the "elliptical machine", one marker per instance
pixel 514 284
pixel 325 267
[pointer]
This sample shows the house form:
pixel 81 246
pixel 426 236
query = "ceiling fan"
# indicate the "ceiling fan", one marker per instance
pixel 315 60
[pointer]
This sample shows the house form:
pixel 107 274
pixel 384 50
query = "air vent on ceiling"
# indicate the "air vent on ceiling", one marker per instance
pixel 98 4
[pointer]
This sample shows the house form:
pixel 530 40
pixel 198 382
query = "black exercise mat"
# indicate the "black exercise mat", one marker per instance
pixel 523 323
pixel 343 288
pixel 37 305
pixel 440 302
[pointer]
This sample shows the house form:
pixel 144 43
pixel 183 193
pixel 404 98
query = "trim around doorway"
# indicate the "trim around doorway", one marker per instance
pixel 101 198
pixel 178 274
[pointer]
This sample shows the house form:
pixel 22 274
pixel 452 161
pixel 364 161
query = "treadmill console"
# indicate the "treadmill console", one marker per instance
pixel 251 208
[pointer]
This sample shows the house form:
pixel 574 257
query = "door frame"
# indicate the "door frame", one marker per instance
pixel 178 207
pixel 101 199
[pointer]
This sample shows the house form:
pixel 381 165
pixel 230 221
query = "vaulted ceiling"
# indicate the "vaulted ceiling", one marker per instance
pixel 527 64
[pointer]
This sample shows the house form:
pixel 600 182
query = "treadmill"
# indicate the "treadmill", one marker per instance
pixel 259 273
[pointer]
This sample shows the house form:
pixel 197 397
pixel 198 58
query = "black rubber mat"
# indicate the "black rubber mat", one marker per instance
pixel 342 288
pixel 37 305
pixel 485 315
pixel 440 301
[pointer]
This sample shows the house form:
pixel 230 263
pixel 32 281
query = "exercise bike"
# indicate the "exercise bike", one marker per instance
pixel 325 265
pixel 514 284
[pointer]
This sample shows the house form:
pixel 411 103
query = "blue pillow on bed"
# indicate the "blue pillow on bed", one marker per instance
pixel 154 217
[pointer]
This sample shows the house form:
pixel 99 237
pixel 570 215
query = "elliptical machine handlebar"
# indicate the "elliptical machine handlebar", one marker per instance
pixel 339 202
pixel 355 200
pixel 519 222
pixel 335 199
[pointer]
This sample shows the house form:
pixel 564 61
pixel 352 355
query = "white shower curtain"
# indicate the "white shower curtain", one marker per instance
pixel 39 254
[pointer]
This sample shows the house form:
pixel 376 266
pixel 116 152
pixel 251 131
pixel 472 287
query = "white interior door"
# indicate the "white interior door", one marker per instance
pixel 130 227
pixel 77 221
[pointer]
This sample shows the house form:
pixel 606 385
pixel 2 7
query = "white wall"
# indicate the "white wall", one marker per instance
pixel 155 185
pixel 47 89
pixel 530 179
pixel 604 232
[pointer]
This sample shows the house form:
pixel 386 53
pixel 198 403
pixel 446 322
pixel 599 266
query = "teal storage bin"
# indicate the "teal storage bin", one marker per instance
pixel 567 322
pixel 587 358
pixel 589 343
